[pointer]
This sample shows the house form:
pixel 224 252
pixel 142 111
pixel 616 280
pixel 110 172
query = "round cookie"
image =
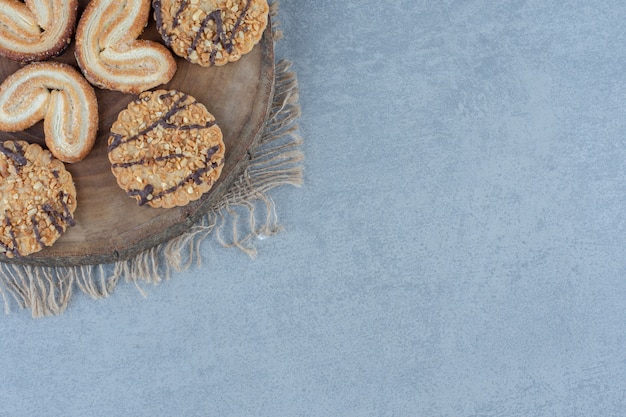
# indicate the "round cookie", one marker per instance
pixel 211 32
pixel 166 149
pixel 37 198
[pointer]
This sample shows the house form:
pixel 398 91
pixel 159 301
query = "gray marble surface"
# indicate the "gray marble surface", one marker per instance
pixel 458 248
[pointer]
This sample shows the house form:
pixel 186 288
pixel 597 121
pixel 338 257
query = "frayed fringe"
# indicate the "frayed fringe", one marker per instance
pixel 244 214
pixel 276 32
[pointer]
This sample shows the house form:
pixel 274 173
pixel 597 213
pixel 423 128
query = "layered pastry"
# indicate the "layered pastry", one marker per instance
pixel 211 32
pixel 166 149
pixel 36 30
pixel 37 198
pixel 109 53
pixel 58 94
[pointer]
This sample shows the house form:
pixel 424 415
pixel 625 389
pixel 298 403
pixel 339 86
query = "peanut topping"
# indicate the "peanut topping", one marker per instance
pixel 211 33
pixel 37 198
pixel 169 153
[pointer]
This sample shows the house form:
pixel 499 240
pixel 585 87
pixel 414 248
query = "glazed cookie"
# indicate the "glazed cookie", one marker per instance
pixel 37 198
pixel 109 53
pixel 36 30
pixel 211 32
pixel 58 94
pixel 166 149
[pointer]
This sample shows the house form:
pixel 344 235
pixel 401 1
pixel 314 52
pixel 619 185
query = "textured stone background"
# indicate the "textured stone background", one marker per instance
pixel 458 248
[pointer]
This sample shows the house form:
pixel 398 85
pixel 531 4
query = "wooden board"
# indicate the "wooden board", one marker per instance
pixel 110 226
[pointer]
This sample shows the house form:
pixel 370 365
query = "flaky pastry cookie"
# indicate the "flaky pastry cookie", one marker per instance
pixel 37 198
pixel 166 149
pixel 109 53
pixel 35 30
pixel 58 94
pixel 211 32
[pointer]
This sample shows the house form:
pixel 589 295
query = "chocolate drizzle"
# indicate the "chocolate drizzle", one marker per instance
pixel 188 127
pixel 163 121
pixel 239 20
pixel 181 8
pixel 33 220
pixel 216 16
pixel 16 156
pixel 6 249
pixel 13 250
pixel 143 194
pixel 147 194
pixel 226 41
pixel 158 17
pixel 143 161
pixel 55 215
pixel 195 176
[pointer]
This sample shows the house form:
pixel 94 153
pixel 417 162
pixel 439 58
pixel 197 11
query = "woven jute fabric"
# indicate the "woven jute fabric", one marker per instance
pixel 244 214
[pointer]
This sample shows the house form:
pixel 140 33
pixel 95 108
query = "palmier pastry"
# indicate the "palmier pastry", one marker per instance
pixel 109 54
pixel 37 198
pixel 166 149
pixel 58 94
pixel 211 32
pixel 35 30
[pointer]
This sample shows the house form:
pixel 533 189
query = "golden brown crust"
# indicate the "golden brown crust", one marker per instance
pixel 211 32
pixel 37 198
pixel 37 29
pixel 109 54
pixel 165 149
pixel 58 94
